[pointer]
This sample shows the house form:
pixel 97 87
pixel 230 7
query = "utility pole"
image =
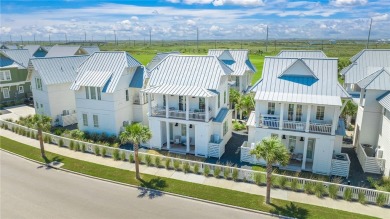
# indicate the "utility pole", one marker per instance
pixel 150 37
pixel 197 39
pixel 266 41
pixel 369 34
pixel 116 43
pixel 10 38
pixel 275 45
pixel 21 39
pixel 322 45
pixel 34 38
pixel 85 36
pixel 49 39
pixel 215 44
pixel 66 38
pixel 133 43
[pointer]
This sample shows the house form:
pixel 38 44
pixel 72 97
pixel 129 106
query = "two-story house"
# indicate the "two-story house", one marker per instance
pixel 51 79
pixel 188 111
pixel 13 76
pixel 238 61
pixel 105 86
pixel 36 50
pixel 299 100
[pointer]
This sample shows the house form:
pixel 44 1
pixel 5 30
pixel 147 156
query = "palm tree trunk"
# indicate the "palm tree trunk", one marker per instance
pixel 137 176
pixel 269 181
pixel 40 137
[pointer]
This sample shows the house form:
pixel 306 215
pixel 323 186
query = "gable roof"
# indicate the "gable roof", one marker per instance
pixel 384 100
pixel 322 89
pixel 301 54
pixel 379 80
pixel 91 49
pixel 299 69
pixel 58 51
pixel 5 46
pixel 32 49
pixel 158 58
pixel 57 70
pixel 19 56
pixel 103 69
pixel 239 63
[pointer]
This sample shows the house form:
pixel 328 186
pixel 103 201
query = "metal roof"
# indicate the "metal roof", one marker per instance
pixel 323 88
pixel 91 49
pixel 159 57
pixel 183 70
pixel 379 80
pixel 138 78
pixel 301 54
pixel 221 115
pixel 361 63
pixel 180 90
pixel 58 51
pixel 103 69
pixel 236 59
pixel 4 46
pixel 34 48
pixel 20 56
pixel 384 100
pixel 57 70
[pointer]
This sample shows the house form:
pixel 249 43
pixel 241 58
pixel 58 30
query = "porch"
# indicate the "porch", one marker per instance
pixel 193 114
pixel 179 148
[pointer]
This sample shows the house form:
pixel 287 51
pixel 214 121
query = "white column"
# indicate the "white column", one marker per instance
pixel 227 96
pixel 168 136
pixel 167 106
pixel 304 153
pixel 207 116
pixel 281 115
pixel 188 137
pixel 257 114
pixel 335 121
pixel 308 116
pixel 149 105
pixel 187 108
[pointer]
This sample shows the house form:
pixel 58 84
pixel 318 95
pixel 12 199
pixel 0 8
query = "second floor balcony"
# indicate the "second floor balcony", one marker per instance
pixel 191 114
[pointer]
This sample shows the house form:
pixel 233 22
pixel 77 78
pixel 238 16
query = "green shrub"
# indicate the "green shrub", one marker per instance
pixel 235 174
pixel 217 172
pixel 238 126
pixel 123 156
pixel 176 164
pixel 71 145
pixel 77 147
pixel 186 167
pixel 332 190
pixel 157 161
pixel 226 172
pixel 28 134
pixel 104 152
pixel 257 178
pixel 82 149
pixel 140 158
pixel 381 199
pixel 308 188
pixel 131 158
pixel 97 151
pixel 167 163
pixel 294 185
pixel 319 190
pixel 206 170
pixel 282 181
pixel 348 194
pixel 362 197
pixel 148 160
pixel 115 154
pixel 196 168
pixel 6 126
pixel 32 135
pixel 61 143
pixel 46 139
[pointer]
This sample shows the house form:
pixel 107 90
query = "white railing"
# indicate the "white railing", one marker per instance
pixel 321 128
pixel 243 174
pixel 158 111
pixel 273 121
pixel 369 164
pixel 199 115
pixel 67 119
pixel 294 125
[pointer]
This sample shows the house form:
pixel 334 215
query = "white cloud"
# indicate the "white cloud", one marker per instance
pixel 380 17
pixel 173 1
pixel 126 22
pixel 348 2
pixel 134 18
pixel 201 2
pixel 191 23
pixel 238 2
pixel 4 30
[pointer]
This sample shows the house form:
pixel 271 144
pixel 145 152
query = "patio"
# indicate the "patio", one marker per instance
pixel 178 148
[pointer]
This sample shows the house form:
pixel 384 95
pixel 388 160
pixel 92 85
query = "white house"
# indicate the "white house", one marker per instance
pixel 68 50
pixel 238 61
pixel 189 108
pixel 106 87
pixel 299 100
pixel 384 136
pixel 50 79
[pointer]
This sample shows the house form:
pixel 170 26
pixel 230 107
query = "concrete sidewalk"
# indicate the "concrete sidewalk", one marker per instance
pixel 211 181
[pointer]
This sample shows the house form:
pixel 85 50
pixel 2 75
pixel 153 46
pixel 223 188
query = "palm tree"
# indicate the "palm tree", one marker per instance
pixel 350 110
pixel 248 103
pixel 273 152
pixel 41 123
pixel 234 99
pixel 136 134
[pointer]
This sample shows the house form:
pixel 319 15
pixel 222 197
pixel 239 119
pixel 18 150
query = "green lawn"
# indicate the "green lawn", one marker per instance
pixel 215 194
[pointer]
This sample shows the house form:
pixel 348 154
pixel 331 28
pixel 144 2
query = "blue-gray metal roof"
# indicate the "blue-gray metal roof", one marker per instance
pixel 221 115
pixel 158 58
pixel 240 63
pixel 301 54
pixel 36 50
pixel 57 70
pixel 341 128
pixel 300 88
pixel 384 100
pixel 60 50
pixel 103 69
pixel 19 56
pixel 4 46
pixel 363 63
pixel 138 78
pixel 379 80
pixel 91 49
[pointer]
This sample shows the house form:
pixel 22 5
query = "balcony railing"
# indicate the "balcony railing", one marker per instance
pixel 199 115
pixel 272 121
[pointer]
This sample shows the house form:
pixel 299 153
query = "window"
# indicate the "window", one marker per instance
pixel 237 81
pixel 65 112
pixel 41 105
pixel 271 108
pixel 310 148
pixel 202 105
pixel 87 92
pixel 290 115
pixel 21 89
pixel 85 119
pixel 181 104
pixel 224 97
pixel 298 113
pixel 5 75
pixel 320 113
pixel 225 128
pixel 93 92
pixel 219 100
pixel 95 121
pixel 5 92
pixel 164 100
pixel 38 83
pixel 127 95
pixel 292 140
pixel 99 94
pixel 183 130
pixel 36 105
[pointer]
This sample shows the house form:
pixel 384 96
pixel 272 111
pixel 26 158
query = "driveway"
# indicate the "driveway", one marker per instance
pixel 17 111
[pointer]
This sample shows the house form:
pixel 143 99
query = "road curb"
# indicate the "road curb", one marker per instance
pixel 139 187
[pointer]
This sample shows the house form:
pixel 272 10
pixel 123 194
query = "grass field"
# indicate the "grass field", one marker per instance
pixel 297 210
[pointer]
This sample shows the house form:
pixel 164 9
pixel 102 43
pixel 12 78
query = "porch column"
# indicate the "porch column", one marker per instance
pixel 227 96
pixel 188 137
pixel 281 116
pixel 168 136
pixel 167 106
pixel 187 108
pixel 149 104
pixel 335 121
pixel 207 116
pixel 257 114
pixel 308 115
pixel 305 143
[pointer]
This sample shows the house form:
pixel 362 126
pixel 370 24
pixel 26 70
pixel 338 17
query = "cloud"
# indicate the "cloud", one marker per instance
pixel 134 18
pixel 238 2
pixel 201 2
pixel 5 30
pixel 340 3
pixel 380 17
pixel 173 1
pixel 191 23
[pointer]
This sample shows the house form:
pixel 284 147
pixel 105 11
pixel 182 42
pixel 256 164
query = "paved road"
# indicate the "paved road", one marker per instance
pixel 31 191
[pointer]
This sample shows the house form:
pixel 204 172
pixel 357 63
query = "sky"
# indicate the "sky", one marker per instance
pixel 179 19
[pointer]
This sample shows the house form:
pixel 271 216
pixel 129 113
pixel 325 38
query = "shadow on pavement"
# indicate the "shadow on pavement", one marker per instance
pixel 149 188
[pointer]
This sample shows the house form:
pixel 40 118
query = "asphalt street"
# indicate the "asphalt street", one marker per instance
pixel 29 190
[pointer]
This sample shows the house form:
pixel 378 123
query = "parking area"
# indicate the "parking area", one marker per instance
pixel 15 112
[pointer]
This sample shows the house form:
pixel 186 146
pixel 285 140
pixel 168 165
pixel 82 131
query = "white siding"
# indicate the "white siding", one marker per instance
pixel 384 142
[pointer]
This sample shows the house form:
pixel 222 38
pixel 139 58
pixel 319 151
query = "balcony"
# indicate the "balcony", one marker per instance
pixel 197 115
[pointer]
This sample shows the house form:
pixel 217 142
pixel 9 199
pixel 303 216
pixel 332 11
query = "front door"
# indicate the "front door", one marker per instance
pixel 310 149
pixel 182 103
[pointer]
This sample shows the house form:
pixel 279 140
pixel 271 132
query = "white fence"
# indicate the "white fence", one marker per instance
pixel 369 164
pixel 242 174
